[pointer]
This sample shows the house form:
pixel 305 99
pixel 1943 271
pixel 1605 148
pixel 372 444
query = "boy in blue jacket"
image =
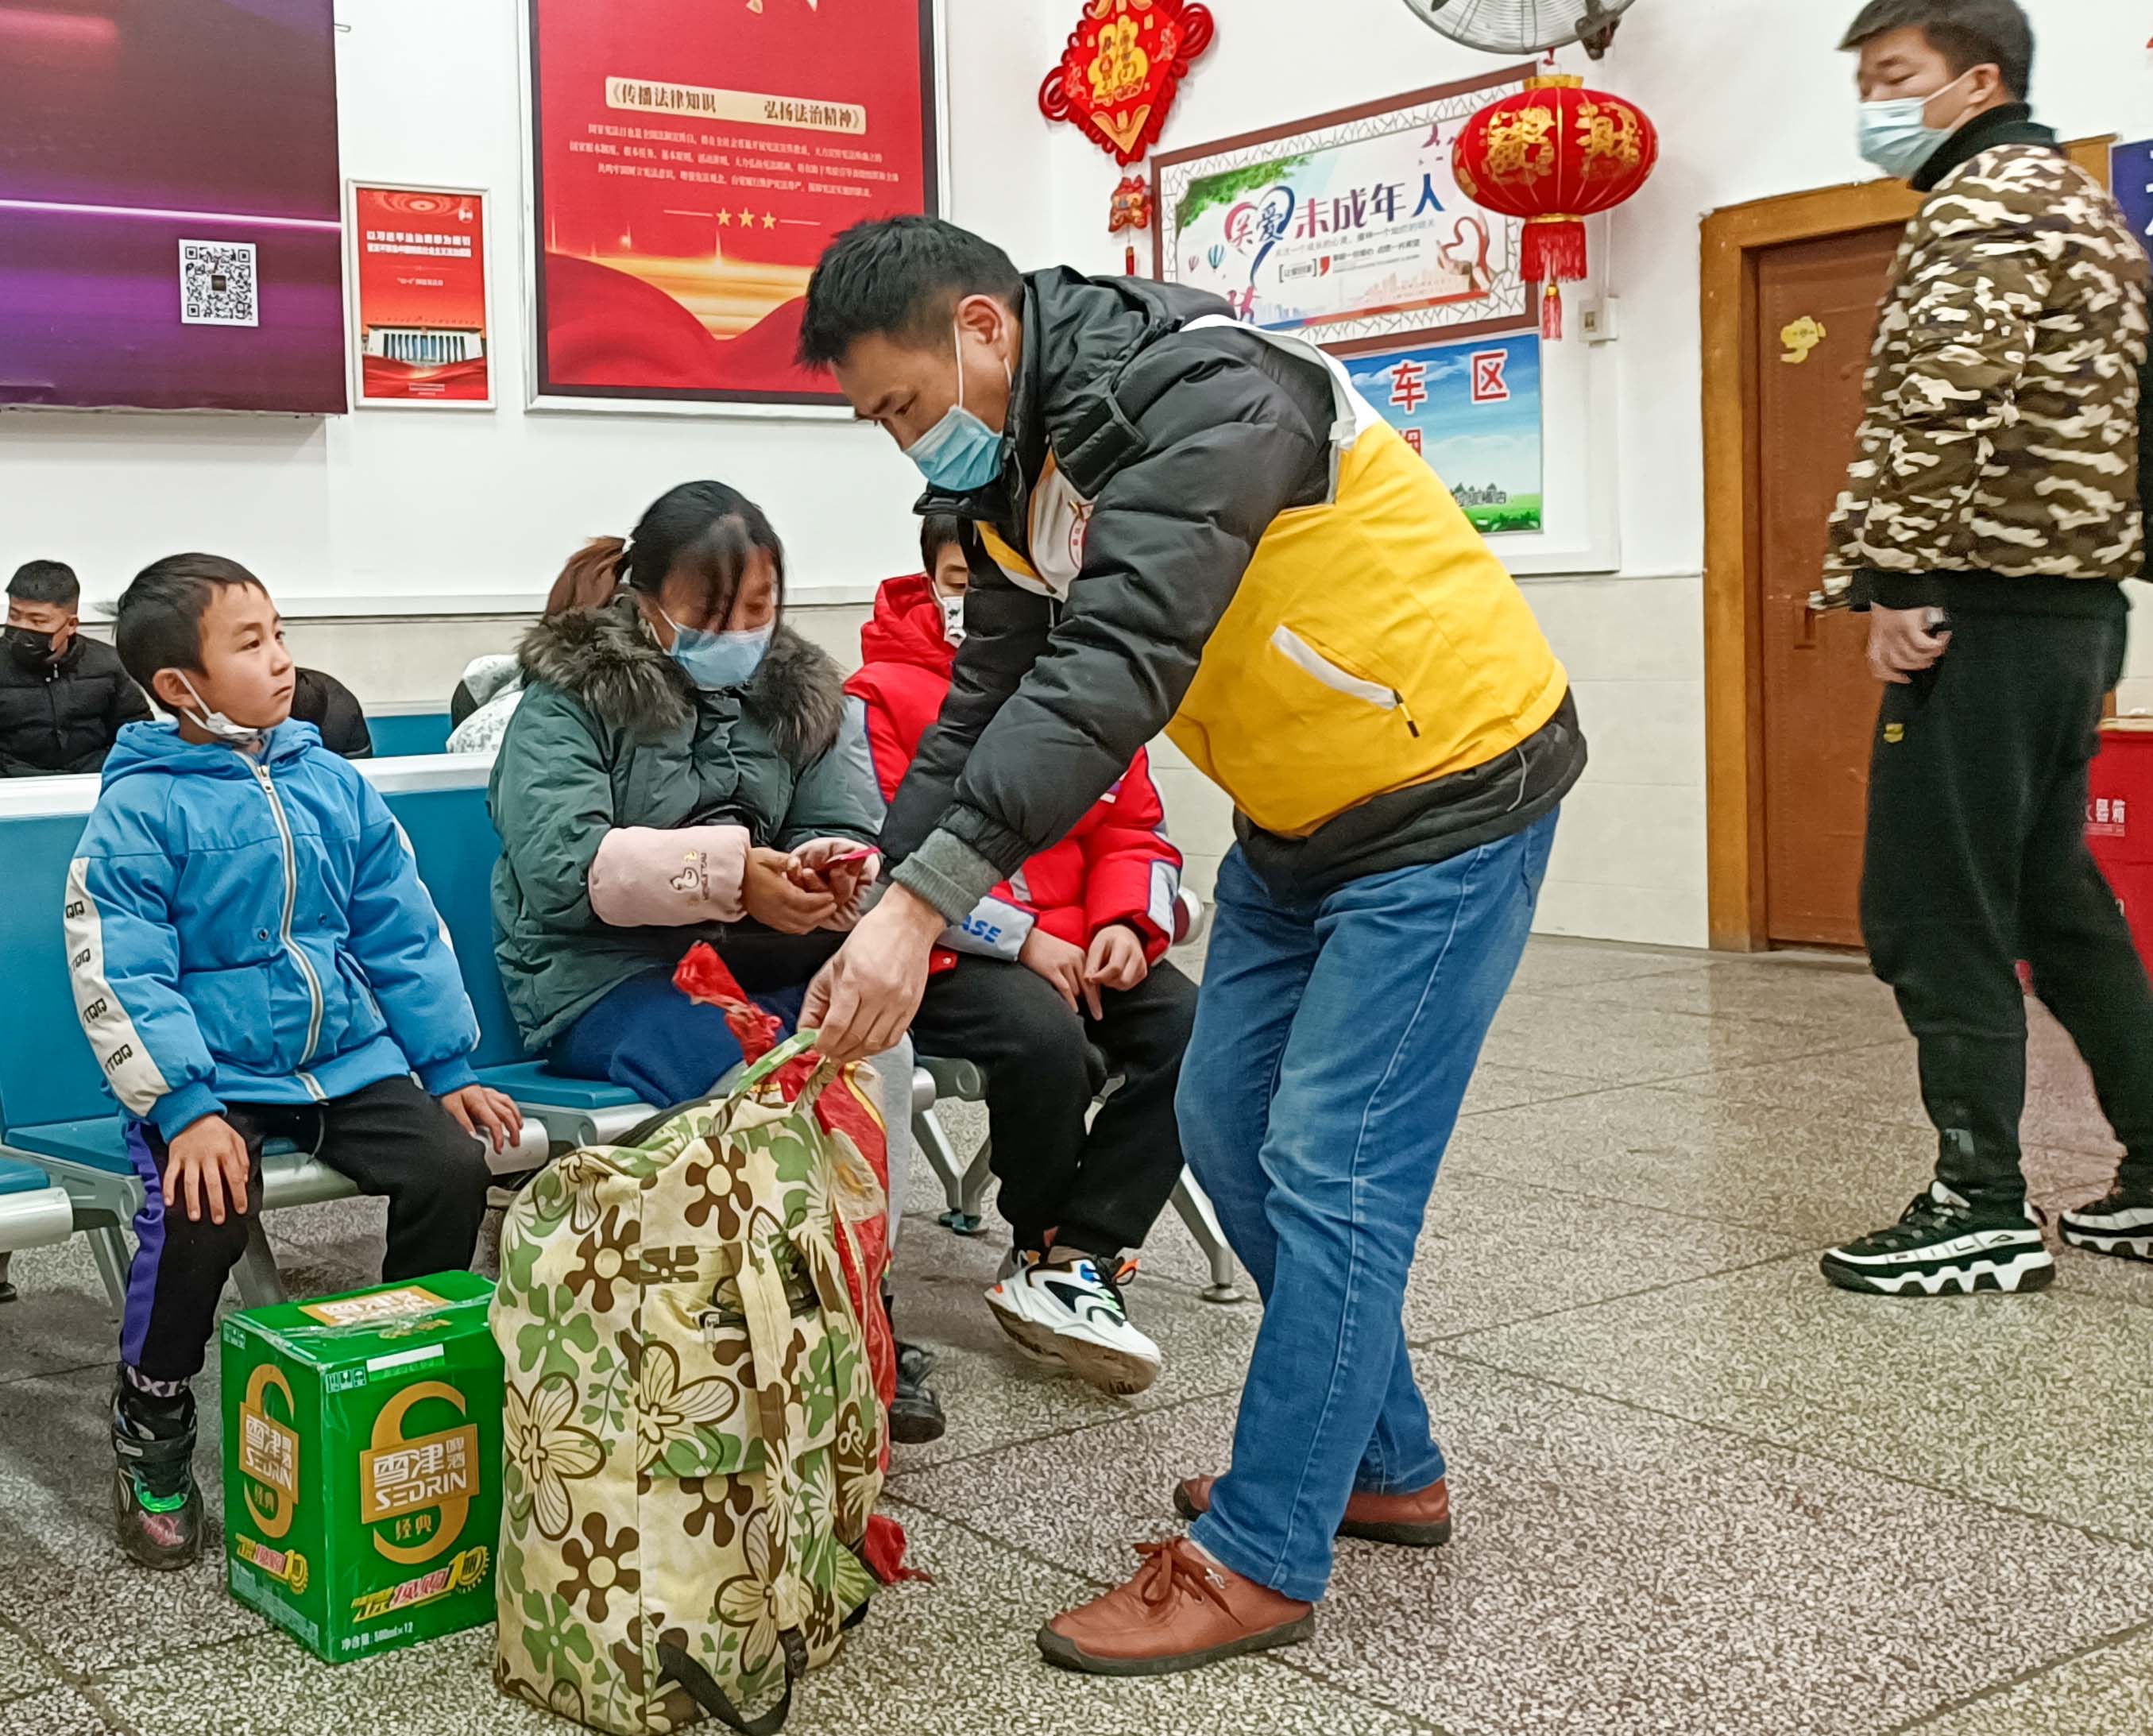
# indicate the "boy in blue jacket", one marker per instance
pixel 254 958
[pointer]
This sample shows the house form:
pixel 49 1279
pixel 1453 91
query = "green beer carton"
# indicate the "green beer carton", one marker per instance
pixel 362 1464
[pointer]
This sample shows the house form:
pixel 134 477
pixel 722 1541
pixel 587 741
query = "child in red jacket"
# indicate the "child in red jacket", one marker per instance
pixel 1060 967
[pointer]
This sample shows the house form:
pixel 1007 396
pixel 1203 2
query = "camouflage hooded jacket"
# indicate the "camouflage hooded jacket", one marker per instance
pixel 2000 432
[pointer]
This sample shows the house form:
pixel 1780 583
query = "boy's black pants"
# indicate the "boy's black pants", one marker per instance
pixel 1100 1190
pixel 1977 858
pixel 391 1138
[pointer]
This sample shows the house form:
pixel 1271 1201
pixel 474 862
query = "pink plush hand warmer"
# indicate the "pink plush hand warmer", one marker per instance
pixel 645 878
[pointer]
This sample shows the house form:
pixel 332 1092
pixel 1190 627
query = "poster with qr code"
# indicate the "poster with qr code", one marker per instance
pixel 218 284
pixel 171 234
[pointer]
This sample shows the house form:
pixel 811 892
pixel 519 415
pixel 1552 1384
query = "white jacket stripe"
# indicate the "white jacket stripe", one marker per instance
pixel 135 1079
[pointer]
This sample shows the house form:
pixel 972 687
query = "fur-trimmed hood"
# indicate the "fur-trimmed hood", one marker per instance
pixel 606 660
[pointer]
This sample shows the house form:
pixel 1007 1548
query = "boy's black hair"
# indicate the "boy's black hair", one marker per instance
pixel 46 582
pixel 899 278
pixel 158 624
pixel 937 532
pixel 1967 33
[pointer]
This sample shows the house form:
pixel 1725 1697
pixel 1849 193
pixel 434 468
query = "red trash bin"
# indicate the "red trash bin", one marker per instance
pixel 2120 820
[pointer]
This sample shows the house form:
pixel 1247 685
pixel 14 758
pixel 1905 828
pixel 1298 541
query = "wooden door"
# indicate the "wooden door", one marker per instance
pixel 1816 311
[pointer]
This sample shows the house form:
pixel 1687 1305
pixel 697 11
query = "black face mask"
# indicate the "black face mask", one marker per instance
pixel 29 647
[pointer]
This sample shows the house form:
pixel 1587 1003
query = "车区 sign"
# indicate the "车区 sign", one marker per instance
pixel 1473 410
pixel 2130 178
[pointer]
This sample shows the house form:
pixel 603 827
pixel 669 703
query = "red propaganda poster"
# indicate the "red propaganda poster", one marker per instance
pixel 418 296
pixel 691 160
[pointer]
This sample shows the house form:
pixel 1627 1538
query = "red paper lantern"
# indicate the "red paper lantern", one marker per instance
pixel 1554 154
pixel 1119 71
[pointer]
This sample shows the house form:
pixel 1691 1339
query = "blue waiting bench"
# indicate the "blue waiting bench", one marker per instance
pixel 33 1211
pixel 59 1131
pixel 34 1214
pixel 61 1138
pixel 404 732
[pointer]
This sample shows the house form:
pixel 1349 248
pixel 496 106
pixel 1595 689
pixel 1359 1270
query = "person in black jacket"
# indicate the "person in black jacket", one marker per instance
pixel 1190 525
pixel 334 709
pixel 63 697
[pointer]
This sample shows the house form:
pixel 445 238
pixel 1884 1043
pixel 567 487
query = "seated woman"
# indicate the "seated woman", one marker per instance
pixel 677 769
pixel 1067 957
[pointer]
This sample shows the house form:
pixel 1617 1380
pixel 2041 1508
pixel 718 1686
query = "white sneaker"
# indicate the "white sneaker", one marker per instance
pixel 2122 1224
pixel 1072 1313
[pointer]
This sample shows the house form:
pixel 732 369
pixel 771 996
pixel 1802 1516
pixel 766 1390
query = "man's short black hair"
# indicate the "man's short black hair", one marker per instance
pixel 158 624
pixel 937 532
pixel 46 582
pixel 1967 33
pixel 900 277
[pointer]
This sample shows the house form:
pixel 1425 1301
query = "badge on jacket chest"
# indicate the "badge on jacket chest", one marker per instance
pixel 1061 521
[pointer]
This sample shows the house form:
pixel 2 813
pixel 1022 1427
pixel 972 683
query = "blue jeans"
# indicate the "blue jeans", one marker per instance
pixel 648 1037
pixel 1334 1042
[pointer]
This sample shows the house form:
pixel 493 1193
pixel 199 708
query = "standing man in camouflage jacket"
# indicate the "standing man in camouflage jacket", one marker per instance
pixel 1992 510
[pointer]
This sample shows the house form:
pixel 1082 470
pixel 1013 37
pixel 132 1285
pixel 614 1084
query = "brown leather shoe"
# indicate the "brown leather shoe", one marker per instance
pixel 1419 1520
pixel 1181 1611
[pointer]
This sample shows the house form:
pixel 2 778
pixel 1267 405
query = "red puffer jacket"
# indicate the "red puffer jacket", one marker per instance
pixel 1117 866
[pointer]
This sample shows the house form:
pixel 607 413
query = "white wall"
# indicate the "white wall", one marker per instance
pixel 1751 98
pixel 426 516
pixel 394 511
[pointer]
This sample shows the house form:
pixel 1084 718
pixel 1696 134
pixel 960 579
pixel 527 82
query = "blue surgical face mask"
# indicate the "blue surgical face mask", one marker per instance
pixel 959 453
pixel 716 661
pixel 1896 135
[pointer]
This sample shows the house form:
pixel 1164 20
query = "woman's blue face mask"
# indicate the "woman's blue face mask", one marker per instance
pixel 716 661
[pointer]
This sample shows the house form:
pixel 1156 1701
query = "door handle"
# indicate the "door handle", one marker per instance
pixel 1806 638
pixel 1817 603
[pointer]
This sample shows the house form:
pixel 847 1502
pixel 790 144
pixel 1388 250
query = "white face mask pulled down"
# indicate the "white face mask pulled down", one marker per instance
pixel 953 617
pixel 216 723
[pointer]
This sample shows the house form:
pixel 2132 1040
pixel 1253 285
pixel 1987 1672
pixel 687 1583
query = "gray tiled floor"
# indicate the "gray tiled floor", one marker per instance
pixel 1697 1491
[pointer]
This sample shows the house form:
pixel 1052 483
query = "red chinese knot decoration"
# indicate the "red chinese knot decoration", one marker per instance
pixel 1554 154
pixel 1117 80
pixel 1119 72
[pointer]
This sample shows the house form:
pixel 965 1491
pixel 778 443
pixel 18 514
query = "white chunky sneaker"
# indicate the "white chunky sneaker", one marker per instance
pixel 2122 1224
pixel 1071 1311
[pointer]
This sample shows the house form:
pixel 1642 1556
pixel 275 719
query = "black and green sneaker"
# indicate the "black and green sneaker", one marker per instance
pixel 156 1506
pixel 1945 1244
pixel 2122 1224
pixel 915 1414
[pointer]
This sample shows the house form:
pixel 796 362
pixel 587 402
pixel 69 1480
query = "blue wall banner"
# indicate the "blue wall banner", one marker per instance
pixel 1473 410
pixel 2131 174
